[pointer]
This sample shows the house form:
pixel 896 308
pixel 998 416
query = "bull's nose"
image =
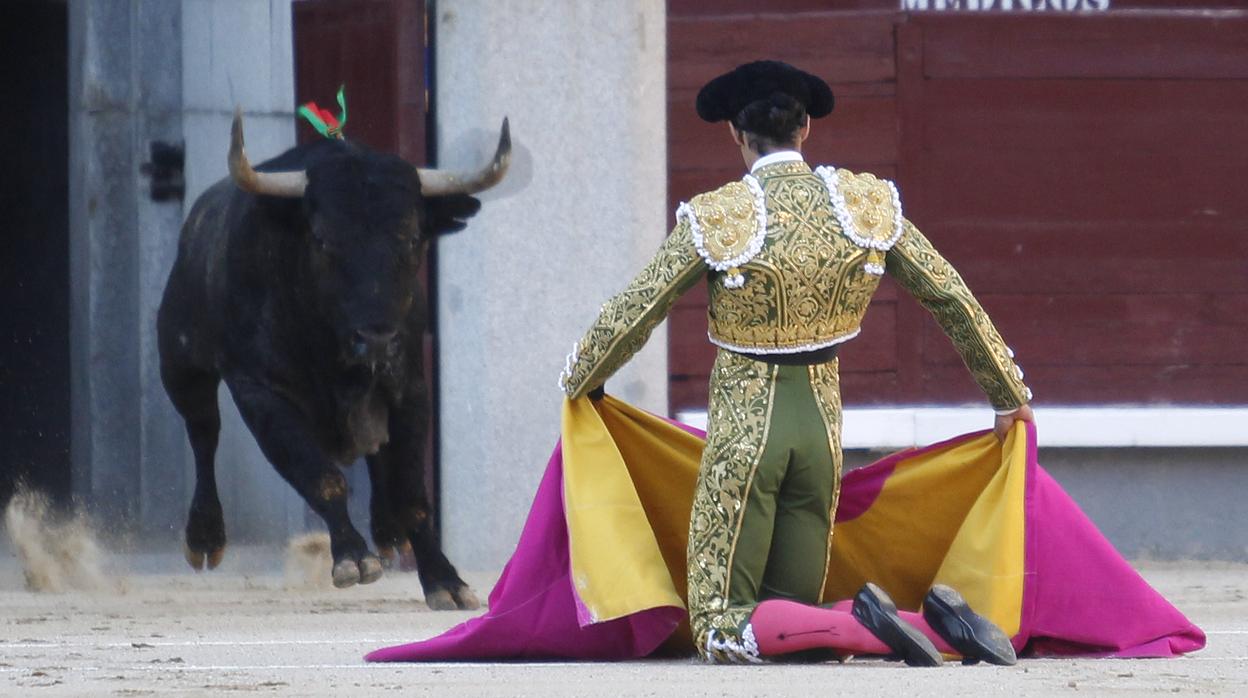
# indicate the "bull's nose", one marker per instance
pixel 374 340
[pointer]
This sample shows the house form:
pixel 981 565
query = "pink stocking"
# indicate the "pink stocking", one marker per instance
pixel 915 619
pixel 782 627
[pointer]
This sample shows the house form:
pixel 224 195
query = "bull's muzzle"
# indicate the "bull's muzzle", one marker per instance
pixel 373 344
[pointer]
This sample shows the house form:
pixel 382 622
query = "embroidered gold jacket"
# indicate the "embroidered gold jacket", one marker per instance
pixel 793 257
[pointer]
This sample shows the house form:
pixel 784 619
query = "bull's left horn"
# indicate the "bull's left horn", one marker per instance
pixel 286 184
pixel 443 182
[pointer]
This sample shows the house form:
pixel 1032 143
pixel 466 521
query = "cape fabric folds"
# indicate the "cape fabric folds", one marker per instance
pixel 599 572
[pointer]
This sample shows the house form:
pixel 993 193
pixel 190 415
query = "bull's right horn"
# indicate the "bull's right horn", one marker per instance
pixel 285 184
pixel 444 182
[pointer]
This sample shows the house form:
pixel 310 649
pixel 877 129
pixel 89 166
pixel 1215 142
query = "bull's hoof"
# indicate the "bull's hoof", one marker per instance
pixel 440 600
pixel 370 569
pixel 194 558
pixel 346 573
pixel 197 559
pixel 465 599
pixel 459 599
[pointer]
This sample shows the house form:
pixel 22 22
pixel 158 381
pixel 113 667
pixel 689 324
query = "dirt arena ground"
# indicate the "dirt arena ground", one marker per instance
pixel 258 626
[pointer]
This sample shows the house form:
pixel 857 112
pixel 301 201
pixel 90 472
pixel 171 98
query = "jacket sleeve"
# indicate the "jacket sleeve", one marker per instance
pixel 626 321
pixel 936 285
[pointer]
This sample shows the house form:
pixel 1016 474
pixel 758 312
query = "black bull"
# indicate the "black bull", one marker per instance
pixel 296 283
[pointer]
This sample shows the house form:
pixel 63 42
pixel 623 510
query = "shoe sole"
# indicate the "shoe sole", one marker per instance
pixel 972 635
pixel 876 610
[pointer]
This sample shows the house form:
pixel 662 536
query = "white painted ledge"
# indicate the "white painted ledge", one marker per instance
pixel 1072 427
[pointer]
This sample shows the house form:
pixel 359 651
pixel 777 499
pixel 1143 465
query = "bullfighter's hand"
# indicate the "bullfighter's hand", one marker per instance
pixel 598 393
pixel 1004 422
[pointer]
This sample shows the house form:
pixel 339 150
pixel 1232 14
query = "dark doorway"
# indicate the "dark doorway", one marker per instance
pixel 34 251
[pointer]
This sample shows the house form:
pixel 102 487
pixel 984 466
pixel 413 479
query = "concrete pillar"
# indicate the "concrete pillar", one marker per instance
pixel 164 453
pixel 583 208
pixel 144 71
pixel 122 54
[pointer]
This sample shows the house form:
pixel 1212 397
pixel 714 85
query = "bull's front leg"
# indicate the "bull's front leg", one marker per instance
pixel 401 513
pixel 285 438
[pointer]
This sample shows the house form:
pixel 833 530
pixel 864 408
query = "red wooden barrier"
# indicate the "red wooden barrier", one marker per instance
pixel 1083 171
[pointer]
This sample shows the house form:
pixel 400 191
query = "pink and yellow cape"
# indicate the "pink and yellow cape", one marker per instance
pixel 599 572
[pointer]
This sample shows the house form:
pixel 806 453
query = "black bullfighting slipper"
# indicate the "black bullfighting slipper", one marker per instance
pixel 875 610
pixel 972 635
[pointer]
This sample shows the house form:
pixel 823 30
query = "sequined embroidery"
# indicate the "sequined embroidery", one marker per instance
pixel 728 227
pixel 805 289
pixel 868 210
pixel 728 650
pixel 742 392
pixel 825 383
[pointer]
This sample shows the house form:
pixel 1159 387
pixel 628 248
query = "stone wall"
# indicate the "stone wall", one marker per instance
pixel 143 71
pixel 582 210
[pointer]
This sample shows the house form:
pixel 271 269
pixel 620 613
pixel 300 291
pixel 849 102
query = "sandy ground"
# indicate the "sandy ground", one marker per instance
pixel 161 629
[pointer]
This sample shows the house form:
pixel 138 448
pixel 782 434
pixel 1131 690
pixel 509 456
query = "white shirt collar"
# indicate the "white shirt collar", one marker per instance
pixel 778 156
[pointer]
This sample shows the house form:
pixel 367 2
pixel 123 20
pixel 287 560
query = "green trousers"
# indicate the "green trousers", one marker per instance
pixel 761 524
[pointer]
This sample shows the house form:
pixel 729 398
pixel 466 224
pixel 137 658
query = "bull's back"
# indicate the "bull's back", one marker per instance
pixel 189 322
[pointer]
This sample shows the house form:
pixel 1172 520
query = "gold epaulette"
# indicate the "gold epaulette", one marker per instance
pixel 728 226
pixel 869 212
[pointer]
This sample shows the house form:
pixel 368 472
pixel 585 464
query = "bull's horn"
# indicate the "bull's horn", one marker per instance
pixel 443 182
pixel 287 184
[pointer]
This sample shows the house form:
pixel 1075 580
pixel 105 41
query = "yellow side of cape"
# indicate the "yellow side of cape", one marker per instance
pixel 951 515
pixel 628 481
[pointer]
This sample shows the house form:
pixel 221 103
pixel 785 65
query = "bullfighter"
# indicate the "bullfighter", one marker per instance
pixel 792 256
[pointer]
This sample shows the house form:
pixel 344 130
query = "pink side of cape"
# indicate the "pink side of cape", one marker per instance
pixel 533 607
pixel 1081 597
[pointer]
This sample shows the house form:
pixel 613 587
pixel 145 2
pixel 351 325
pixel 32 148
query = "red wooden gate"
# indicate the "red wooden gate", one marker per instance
pixel 1083 172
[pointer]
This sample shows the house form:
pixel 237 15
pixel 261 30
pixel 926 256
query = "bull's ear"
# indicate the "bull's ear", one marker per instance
pixel 449 214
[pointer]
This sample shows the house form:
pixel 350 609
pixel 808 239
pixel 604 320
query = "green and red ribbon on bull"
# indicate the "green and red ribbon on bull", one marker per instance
pixel 322 120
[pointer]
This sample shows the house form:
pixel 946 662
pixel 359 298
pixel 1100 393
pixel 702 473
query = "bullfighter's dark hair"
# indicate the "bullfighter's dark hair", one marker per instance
pixel 772 122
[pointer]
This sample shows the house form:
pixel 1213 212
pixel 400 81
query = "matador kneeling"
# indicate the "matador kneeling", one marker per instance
pixel 792 256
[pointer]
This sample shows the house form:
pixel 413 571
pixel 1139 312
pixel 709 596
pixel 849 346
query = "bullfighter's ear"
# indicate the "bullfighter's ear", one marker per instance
pixel 450 214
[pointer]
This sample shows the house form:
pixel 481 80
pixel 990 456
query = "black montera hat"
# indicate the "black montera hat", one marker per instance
pixel 725 96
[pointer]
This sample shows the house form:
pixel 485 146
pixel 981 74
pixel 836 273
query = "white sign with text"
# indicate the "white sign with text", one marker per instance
pixel 1007 5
